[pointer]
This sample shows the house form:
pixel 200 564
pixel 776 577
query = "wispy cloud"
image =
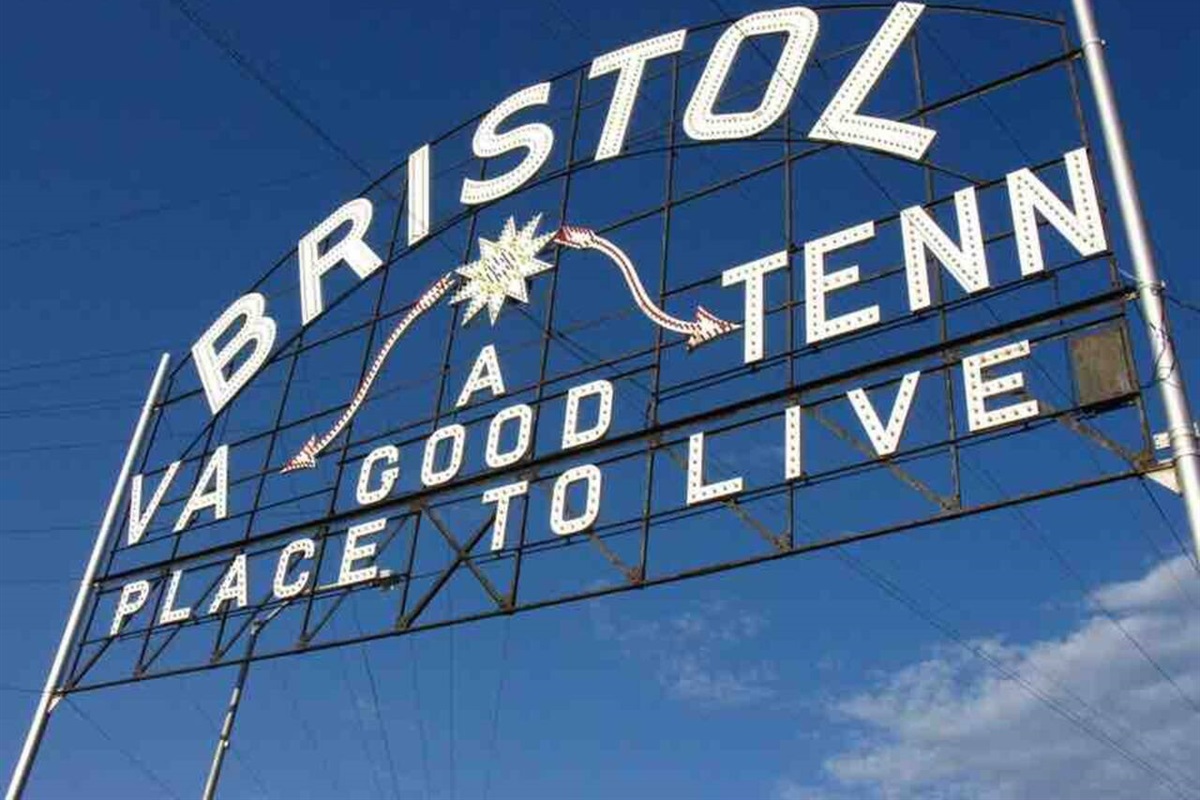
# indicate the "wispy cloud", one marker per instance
pixel 694 654
pixel 950 727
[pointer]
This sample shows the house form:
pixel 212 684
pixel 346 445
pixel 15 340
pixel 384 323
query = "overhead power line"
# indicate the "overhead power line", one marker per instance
pixel 1184 304
pixel 383 732
pixel 951 632
pixel 48 529
pixel 61 362
pixel 39 581
pixel 245 764
pixel 58 409
pixel 140 765
pixel 249 70
pixel 49 448
pixel 74 377
pixel 135 214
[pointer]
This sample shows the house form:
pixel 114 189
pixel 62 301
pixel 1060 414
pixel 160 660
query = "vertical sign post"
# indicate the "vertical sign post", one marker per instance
pixel 1167 374
pixel 235 702
pixel 46 701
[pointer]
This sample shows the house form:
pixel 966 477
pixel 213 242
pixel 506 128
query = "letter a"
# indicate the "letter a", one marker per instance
pixel 215 472
pixel 485 374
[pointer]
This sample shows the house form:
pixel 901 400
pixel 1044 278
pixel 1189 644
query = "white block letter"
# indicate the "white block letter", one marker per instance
pixel 257 329
pixel 216 471
pixel 558 503
pixel 752 274
pixel 501 496
pixel 133 597
pixel 979 390
pixel 301 548
pixel 535 137
pixel 457 435
pixel 524 416
pixel 697 490
pixel 630 63
pixel 139 520
pixel 572 436
pixel 418 195
pixel 968 263
pixel 886 439
pixel 354 552
pixel 352 249
pixel 841 122
pixel 702 123
pixel 1083 227
pixel 818 285
pixel 793 452
pixel 169 613
pixel 233 586
pixel 365 495
pixel 485 374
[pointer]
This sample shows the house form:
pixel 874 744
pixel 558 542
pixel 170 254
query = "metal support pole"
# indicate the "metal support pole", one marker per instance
pixel 235 700
pixel 49 699
pixel 1167 375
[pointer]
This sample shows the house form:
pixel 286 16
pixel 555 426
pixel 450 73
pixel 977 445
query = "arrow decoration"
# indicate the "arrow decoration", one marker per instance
pixel 704 327
pixel 499 275
pixel 307 457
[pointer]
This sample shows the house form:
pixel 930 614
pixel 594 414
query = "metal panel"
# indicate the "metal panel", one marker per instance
pixel 1100 364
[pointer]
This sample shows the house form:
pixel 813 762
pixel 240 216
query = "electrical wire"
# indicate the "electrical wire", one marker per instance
pixel 19 689
pixel 362 727
pixel 140 765
pixel 414 671
pixel 248 766
pixel 1093 714
pixel 1184 304
pixel 42 383
pixel 452 674
pixel 1031 525
pixel 249 70
pixel 46 529
pixel 58 409
pixel 70 579
pixel 387 746
pixel 951 632
pixel 136 214
pixel 331 773
pixel 1170 526
pixel 61 362
pixel 494 733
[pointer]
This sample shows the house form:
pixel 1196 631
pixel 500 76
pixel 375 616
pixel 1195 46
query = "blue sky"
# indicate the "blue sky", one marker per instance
pixel 145 182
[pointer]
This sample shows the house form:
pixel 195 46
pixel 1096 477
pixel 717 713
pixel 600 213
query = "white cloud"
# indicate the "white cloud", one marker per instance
pixel 951 727
pixel 788 789
pixel 693 653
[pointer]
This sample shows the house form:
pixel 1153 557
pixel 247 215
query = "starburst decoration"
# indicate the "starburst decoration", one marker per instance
pixel 502 269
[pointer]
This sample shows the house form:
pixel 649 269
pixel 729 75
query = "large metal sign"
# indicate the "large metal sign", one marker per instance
pixel 639 323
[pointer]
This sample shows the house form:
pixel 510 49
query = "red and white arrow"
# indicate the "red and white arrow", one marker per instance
pixel 307 457
pixel 704 327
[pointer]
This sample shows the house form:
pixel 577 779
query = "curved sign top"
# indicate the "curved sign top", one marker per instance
pixel 843 122
pixel 313 465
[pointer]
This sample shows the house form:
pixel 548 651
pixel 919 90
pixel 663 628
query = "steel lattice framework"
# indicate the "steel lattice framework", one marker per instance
pixel 668 200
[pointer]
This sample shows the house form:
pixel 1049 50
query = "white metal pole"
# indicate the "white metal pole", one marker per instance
pixel 47 700
pixel 1167 373
pixel 235 702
